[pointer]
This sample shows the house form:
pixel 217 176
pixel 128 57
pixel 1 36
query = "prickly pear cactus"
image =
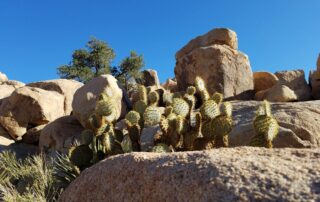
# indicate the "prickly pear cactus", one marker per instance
pixel 217 97
pixel 209 110
pixel 133 117
pixel 153 98
pixel 151 116
pixel 140 107
pixel 201 88
pixel 222 126
pixel 106 108
pixel 266 127
pixel 180 107
pixel 142 92
pixel 161 148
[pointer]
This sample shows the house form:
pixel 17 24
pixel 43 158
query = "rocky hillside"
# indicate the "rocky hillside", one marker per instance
pixel 50 116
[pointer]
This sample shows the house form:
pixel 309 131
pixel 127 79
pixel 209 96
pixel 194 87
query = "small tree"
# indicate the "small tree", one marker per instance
pixel 88 63
pixel 129 67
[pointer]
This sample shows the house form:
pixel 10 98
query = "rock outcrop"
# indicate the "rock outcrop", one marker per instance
pixel 295 80
pixel 65 87
pixel 279 93
pixel 86 97
pixel 170 85
pixel 227 174
pixel 264 80
pixel 314 80
pixel 223 68
pixel 54 136
pixel 150 77
pixel 7 87
pixel 299 123
pixel 28 107
pixel 5 139
pixel 3 77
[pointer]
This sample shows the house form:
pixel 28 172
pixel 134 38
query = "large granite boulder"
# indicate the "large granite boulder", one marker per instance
pixel 86 97
pixel 221 36
pixel 65 87
pixel 299 123
pixel 226 174
pixel 223 68
pixel 54 136
pixel 263 80
pixel 28 107
pixel 295 79
pixel 5 139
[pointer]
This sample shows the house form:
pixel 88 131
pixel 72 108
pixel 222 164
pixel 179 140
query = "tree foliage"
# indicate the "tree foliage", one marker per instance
pixel 96 59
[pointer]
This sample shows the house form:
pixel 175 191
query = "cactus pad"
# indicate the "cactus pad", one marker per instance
pixel 153 98
pixel 209 110
pixel 161 148
pixel 133 117
pixel 217 97
pixel 140 106
pixel 180 107
pixel 151 116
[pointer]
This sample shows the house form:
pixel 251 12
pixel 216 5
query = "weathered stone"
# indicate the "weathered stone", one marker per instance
pixel 53 137
pixel 223 69
pixel 29 107
pixel 220 36
pixel 150 77
pixel 65 87
pixel 33 134
pixel 5 139
pixel 295 79
pixel 147 137
pixel 314 80
pixel 299 123
pixel 86 97
pixel 3 77
pixel 15 84
pixel 281 93
pixel 264 80
pixel 7 87
pixel 225 174
pixel 170 85
pixel 261 95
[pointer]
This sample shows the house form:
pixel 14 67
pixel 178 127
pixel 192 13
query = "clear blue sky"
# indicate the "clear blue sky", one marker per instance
pixel 36 36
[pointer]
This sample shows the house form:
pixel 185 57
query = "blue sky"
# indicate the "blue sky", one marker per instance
pixel 36 36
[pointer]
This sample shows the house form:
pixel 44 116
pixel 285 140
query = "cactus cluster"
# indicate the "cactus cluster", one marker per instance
pixel 190 120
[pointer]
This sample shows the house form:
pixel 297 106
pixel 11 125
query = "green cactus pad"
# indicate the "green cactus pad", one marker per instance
pixel 180 107
pixel 167 98
pixel 133 117
pixel 199 83
pixel 209 110
pixel 164 125
pixel 191 90
pixel 126 144
pixel 226 109
pixel 153 98
pixel 151 116
pixel 106 108
pixel 142 92
pixel 161 148
pixel 221 127
pixel 206 130
pixel 81 156
pixel 140 106
pixel 217 97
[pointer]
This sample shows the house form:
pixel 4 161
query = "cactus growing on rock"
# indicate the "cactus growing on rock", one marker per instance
pixel 266 127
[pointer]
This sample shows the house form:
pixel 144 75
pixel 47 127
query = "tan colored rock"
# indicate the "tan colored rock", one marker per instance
pixel 3 77
pixel 299 123
pixel 150 77
pixel 33 134
pixel 261 95
pixel 65 87
pixel 314 79
pixel 5 139
pixel 7 87
pixel 221 36
pixel 53 137
pixel 226 174
pixel 281 93
pixel 170 85
pixel 28 106
pixel 224 70
pixel 264 80
pixel 15 84
pixel 295 80
pixel 85 98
